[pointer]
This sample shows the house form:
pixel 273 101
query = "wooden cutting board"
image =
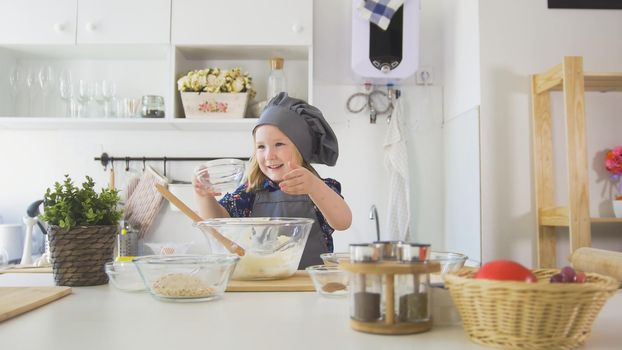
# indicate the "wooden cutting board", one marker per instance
pixel 18 300
pixel 30 269
pixel 299 282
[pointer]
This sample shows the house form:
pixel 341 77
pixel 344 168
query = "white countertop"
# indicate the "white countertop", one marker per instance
pixel 103 317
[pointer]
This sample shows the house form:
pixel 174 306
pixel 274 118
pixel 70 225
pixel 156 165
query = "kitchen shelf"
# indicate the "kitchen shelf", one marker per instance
pixel 136 124
pixel 569 78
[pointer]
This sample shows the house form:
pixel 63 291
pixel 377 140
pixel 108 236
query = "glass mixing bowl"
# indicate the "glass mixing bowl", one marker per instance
pixel 273 246
pixel 221 175
pixel 332 259
pixel 186 278
pixel 450 262
pixel 124 276
pixel 329 281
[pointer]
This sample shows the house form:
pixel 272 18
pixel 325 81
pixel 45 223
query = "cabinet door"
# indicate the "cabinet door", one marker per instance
pixel 38 21
pixel 124 21
pixel 242 22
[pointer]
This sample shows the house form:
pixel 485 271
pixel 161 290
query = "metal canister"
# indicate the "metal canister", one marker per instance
pixel 365 289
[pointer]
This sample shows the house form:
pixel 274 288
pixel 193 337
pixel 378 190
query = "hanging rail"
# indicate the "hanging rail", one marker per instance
pixel 104 159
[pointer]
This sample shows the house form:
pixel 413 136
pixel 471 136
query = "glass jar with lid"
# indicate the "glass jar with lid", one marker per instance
pixel 152 106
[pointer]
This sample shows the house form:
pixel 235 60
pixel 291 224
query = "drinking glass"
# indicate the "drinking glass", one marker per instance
pixel 30 80
pixel 65 85
pixel 109 91
pixel 85 95
pixel 15 82
pixel 98 96
pixel 45 81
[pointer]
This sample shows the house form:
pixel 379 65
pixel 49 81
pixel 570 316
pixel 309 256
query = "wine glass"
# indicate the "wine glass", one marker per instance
pixel 45 81
pixel 15 81
pixel 65 85
pixel 30 80
pixel 85 95
pixel 109 91
pixel 98 95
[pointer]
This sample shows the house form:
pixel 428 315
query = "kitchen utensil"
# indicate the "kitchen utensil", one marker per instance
pixel 298 282
pixel 604 262
pixel 27 252
pixel 221 175
pixel 227 243
pixel 125 276
pixel 186 278
pixel 12 240
pixel 152 106
pixel 273 246
pixel 143 205
pixel 18 300
pixel 334 258
pixel 329 281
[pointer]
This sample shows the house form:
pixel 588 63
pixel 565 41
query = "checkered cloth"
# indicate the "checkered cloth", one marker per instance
pixel 379 12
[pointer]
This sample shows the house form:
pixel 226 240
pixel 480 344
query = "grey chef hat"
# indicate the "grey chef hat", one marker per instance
pixel 304 125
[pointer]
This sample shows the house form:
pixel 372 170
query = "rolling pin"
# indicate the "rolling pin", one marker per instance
pixel 604 262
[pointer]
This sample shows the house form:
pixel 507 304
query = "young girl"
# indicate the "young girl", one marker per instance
pixel 281 182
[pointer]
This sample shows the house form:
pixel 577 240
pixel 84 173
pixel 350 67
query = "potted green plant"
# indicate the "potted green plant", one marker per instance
pixel 82 228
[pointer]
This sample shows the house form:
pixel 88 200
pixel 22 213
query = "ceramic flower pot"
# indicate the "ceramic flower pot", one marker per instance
pixel 617 207
pixel 79 255
pixel 214 105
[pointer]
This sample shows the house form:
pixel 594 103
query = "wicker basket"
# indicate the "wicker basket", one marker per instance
pixel 519 315
pixel 79 255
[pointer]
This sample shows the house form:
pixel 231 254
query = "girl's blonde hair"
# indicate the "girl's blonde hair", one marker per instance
pixel 255 178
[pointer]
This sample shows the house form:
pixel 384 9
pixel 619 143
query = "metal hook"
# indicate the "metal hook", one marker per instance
pixel 164 166
pixel 104 160
pixel 144 166
pixel 127 163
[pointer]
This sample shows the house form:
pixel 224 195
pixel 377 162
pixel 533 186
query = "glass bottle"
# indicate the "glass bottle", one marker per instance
pixel 276 81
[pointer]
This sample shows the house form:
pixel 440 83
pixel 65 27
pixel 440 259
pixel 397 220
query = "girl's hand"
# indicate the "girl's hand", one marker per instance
pixel 201 184
pixel 299 180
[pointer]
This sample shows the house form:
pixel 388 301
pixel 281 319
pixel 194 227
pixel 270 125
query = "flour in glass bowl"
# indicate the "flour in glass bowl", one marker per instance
pixel 181 285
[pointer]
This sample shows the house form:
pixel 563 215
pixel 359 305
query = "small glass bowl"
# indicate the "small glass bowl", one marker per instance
pixel 329 281
pixel 332 259
pixel 221 175
pixel 450 262
pixel 125 276
pixel 186 278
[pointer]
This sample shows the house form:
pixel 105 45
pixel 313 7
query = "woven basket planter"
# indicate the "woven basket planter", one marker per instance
pixel 79 255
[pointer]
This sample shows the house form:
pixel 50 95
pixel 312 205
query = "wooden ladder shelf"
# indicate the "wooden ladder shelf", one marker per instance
pixel 573 82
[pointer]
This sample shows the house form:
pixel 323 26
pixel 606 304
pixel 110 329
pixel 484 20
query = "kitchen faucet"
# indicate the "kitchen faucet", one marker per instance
pixel 373 215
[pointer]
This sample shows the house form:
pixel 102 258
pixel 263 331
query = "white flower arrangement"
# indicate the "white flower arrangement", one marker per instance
pixel 216 80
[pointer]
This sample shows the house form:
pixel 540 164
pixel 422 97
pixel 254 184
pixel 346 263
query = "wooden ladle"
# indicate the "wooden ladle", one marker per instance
pixel 227 243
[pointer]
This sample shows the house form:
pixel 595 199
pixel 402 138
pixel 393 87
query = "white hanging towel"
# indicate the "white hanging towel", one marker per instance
pixel 396 162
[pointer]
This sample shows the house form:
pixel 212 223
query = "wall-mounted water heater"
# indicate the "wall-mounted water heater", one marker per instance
pixel 386 56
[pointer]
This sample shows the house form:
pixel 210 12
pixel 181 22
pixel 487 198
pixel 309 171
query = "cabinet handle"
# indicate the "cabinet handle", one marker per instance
pixel 90 26
pixel 297 28
pixel 59 27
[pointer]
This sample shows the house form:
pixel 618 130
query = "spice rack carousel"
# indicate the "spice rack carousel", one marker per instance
pixel 408 319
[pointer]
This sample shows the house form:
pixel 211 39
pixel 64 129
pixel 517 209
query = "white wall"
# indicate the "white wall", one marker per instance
pixel 33 160
pixel 461 88
pixel 519 38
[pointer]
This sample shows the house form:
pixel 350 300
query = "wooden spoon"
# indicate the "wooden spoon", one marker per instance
pixel 227 243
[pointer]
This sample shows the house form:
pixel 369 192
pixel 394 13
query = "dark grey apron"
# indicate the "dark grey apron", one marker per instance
pixel 281 204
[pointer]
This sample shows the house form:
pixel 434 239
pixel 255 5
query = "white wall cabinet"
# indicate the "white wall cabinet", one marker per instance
pixel 38 21
pixel 130 42
pixel 242 22
pixel 123 21
pixel 84 22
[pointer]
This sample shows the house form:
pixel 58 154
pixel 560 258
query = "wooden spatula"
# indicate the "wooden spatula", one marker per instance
pixel 227 243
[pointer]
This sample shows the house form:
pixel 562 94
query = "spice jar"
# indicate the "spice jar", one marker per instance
pixel 390 292
pixel 152 106
pixel 413 291
pixel 365 290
